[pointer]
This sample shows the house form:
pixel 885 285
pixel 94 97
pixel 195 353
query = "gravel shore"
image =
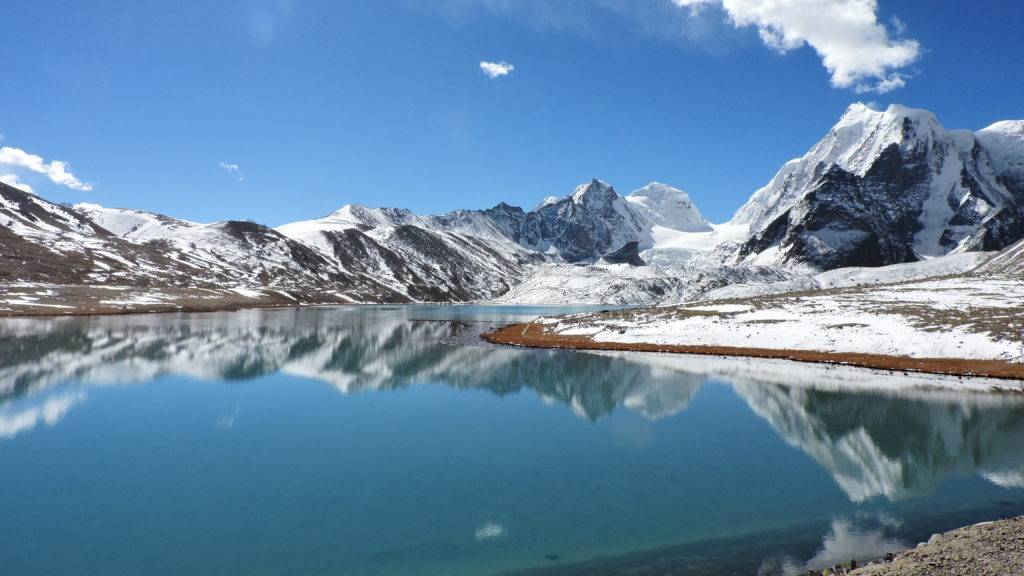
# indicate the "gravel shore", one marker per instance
pixel 995 548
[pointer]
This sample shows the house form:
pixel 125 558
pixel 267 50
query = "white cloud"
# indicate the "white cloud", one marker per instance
pixel 12 180
pixel 854 46
pixel 496 69
pixel 55 170
pixel 234 169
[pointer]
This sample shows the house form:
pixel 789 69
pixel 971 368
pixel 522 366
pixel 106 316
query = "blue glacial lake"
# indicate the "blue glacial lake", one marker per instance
pixel 388 441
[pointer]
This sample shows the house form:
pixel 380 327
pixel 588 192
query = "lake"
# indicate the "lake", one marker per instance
pixel 389 441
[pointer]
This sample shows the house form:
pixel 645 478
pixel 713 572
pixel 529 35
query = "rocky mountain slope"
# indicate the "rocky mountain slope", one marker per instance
pixel 592 221
pixel 1009 261
pixel 460 256
pixel 44 242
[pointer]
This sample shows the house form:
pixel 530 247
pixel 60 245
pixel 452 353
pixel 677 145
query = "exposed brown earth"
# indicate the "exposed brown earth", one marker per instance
pixel 537 335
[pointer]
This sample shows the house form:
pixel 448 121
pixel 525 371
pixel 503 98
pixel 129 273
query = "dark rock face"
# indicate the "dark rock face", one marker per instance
pixel 509 219
pixel 431 266
pixel 628 254
pixel 925 192
pixel 841 223
pixel 592 222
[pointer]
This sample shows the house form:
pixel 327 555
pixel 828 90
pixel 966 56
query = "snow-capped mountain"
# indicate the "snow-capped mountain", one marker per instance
pixel 891 186
pixel 594 220
pixel 235 253
pixel 229 251
pixel 669 207
pixel 45 242
pixel 456 257
pixel 88 245
pixel 474 254
pixel 881 188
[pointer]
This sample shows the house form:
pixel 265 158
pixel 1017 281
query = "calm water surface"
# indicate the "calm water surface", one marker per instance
pixel 373 440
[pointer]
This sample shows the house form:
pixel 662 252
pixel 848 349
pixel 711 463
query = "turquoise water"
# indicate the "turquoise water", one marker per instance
pixel 375 441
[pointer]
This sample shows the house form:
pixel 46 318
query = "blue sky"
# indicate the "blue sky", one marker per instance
pixel 323 103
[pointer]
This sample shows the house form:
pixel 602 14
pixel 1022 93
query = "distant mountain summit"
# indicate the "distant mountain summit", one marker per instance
pixel 592 221
pixel 669 207
pixel 884 187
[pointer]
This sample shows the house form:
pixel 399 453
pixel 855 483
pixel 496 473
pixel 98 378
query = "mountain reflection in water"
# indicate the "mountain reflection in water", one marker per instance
pixel 874 443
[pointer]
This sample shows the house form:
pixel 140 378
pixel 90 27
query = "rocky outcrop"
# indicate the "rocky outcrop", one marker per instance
pixel 628 254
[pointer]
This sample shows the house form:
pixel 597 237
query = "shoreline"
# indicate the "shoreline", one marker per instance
pixel 155 309
pixel 535 335
pixel 57 301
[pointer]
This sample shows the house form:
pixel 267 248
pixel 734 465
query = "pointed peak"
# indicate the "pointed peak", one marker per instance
pixel 504 207
pixel 861 107
pixel 860 113
pixel 900 111
pixel 348 209
pixel 657 189
pixel 594 186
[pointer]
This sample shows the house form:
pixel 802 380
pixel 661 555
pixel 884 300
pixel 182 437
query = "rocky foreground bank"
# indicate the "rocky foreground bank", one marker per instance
pixel 990 548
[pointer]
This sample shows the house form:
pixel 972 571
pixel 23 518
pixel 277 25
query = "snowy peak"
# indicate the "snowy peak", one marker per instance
pixel 26 214
pixel 863 134
pixel 360 215
pixel 669 207
pixel 135 224
pixel 589 223
pixel 593 191
pixel 1004 142
pixel 1009 127
pixel 884 187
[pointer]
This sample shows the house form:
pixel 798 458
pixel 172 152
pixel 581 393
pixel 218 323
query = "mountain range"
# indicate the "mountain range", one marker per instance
pixel 881 188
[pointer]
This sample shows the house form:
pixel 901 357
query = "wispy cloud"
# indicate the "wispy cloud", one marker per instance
pixel 234 169
pixel 55 170
pixel 854 46
pixel 496 69
pixel 899 26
